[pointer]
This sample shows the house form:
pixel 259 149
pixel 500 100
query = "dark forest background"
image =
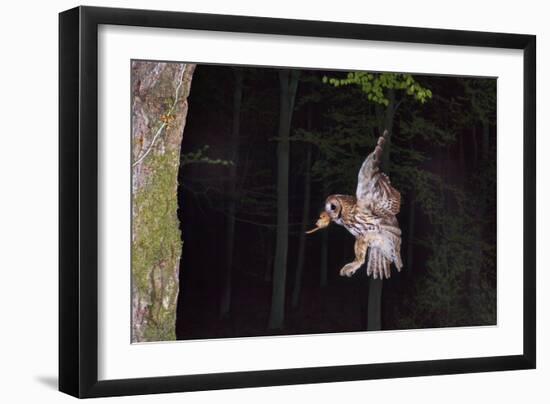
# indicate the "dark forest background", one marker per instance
pixel 262 149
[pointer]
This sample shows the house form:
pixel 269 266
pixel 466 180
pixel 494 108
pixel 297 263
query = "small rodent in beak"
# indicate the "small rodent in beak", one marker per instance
pixel 324 221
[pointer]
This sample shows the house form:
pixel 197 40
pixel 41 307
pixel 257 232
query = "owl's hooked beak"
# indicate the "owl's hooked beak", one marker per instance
pixel 324 221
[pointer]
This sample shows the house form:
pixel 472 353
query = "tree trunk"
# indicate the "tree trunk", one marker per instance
pixel 225 304
pixel 389 114
pixel 159 111
pixel 324 251
pixel 268 272
pixel 288 84
pixel 476 268
pixel 305 221
pixel 324 260
pixel 410 237
pixel 474 147
pixel 485 142
pixel 461 158
pixel 374 309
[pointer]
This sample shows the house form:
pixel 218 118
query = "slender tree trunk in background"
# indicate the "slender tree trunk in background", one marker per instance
pixel 447 170
pixel 324 259
pixel 461 169
pixel 305 221
pixel 225 304
pixel 462 174
pixel 471 277
pixel 461 159
pixel 485 142
pixel 374 309
pixel 410 242
pixel 388 125
pixel 474 147
pixel 475 279
pixel 288 81
pixel 157 130
pixel 269 259
pixel 324 252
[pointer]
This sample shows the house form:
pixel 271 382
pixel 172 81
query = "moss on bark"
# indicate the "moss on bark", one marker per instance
pixel 159 110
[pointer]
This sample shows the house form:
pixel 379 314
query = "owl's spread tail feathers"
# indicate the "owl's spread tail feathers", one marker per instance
pixel 384 250
pixel 379 266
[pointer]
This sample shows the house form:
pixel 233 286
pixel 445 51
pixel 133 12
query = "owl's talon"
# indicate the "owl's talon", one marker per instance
pixel 348 270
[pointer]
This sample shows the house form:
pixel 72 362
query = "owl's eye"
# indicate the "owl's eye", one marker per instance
pixel 332 206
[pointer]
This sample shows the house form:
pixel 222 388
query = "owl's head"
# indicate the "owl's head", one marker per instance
pixel 333 210
pixel 333 207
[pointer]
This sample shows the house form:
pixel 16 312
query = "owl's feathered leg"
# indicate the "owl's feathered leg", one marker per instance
pixel 360 248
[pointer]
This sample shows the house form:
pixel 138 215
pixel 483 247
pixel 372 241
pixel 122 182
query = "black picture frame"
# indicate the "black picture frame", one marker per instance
pixel 78 201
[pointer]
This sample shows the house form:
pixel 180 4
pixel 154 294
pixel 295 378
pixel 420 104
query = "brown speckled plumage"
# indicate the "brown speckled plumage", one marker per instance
pixel 370 216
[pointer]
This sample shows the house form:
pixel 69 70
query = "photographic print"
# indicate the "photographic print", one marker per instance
pixel 289 188
pixel 284 201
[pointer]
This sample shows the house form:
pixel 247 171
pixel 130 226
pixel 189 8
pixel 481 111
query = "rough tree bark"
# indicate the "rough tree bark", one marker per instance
pixel 288 84
pixel 159 111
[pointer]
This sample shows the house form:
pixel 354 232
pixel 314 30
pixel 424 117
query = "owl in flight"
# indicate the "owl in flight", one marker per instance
pixel 370 216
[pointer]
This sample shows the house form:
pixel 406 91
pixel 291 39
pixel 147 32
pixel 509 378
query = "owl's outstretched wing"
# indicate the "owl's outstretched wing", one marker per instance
pixel 374 190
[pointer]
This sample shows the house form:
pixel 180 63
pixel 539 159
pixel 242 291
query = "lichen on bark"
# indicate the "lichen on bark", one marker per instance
pixel 159 110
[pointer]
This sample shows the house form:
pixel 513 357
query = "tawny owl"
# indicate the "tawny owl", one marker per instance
pixel 370 216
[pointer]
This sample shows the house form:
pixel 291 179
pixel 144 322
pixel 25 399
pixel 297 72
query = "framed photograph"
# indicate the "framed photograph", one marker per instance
pixel 252 201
